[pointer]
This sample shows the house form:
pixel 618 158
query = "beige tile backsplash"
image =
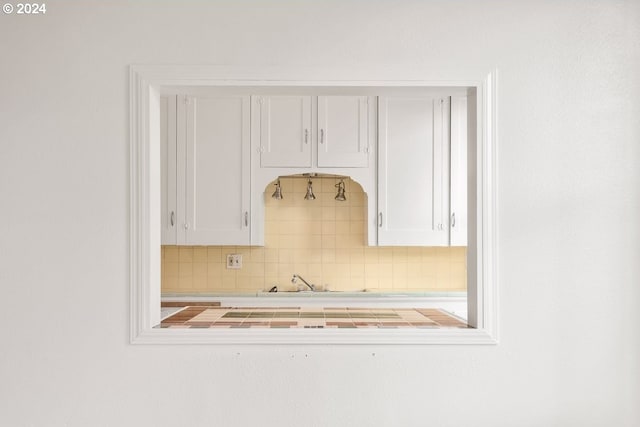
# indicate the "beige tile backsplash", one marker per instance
pixel 322 240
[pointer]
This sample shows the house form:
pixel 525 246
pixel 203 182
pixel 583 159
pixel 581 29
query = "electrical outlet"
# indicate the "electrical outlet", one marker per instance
pixel 234 261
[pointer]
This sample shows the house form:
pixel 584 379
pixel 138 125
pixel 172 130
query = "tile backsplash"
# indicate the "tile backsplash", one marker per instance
pixel 324 241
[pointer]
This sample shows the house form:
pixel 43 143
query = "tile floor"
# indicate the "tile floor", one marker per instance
pixel 310 317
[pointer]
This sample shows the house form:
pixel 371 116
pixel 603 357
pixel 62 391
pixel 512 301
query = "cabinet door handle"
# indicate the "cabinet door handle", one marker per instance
pixel 172 217
pixel 453 220
pixel 380 219
pixel 246 218
pixel 321 136
pixel 186 225
pixel 306 136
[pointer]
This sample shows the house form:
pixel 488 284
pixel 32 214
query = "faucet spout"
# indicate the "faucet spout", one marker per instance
pixel 295 278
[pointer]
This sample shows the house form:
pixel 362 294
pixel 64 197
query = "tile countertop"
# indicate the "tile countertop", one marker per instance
pixel 313 294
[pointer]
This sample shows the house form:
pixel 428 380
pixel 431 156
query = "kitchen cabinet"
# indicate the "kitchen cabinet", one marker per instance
pixel 458 229
pixel 322 131
pixel 168 211
pixel 212 171
pixel 219 152
pixel 343 139
pixel 217 171
pixel 284 130
pixel 413 171
pixel 289 127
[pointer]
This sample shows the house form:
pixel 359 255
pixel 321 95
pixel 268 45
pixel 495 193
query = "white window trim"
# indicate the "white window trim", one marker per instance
pixel 147 81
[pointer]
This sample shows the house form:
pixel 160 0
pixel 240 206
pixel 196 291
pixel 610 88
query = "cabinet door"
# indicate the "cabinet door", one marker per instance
pixel 217 174
pixel 168 218
pixel 413 174
pixel 285 130
pixel 343 139
pixel 459 171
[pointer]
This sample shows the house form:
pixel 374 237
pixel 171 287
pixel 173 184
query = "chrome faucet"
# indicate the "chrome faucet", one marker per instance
pixel 295 278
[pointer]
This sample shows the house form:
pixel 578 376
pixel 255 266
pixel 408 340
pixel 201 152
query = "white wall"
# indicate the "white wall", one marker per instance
pixel 569 189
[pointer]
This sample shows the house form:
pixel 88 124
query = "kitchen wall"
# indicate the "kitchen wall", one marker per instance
pixel 323 240
pixel 568 207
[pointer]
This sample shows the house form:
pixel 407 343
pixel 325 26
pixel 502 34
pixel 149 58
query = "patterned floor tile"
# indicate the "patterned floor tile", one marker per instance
pixel 309 317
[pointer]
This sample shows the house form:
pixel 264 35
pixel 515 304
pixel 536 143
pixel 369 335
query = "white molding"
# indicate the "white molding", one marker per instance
pixel 490 207
pixel 146 80
pixel 301 336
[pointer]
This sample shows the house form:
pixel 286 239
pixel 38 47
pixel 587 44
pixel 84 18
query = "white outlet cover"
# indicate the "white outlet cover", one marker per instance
pixel 234 261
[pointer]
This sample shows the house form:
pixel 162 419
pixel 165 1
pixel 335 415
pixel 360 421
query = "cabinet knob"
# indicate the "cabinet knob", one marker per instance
pixel 186 225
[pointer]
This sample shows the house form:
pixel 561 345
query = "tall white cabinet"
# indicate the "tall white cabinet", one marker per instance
pixel 168 153
pixel 458 171
pixel 413 171
pixel 212 172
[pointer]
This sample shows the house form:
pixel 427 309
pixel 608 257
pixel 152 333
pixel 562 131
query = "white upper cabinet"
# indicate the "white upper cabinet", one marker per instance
pixel 168 212
pixel 413 171
pixel 220 151
pixel 343 138
pixel 287 127
pixel 215 174
pixel 284 130
pixel 311 130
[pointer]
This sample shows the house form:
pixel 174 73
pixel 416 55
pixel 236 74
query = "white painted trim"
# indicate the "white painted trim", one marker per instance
pixel 304 336
pixel 489 238
pixel 145 81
